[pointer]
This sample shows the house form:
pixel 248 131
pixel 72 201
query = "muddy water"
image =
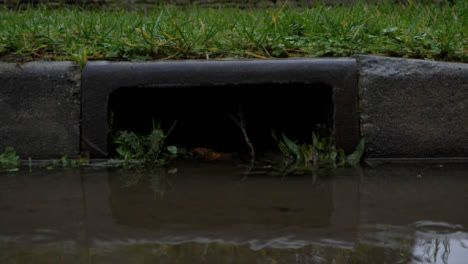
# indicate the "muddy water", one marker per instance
pixel 211 213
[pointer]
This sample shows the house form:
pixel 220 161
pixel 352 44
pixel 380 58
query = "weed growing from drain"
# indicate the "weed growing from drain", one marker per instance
pixel 133 149
pixel 321 153
pixel 9 161
pixel 304 158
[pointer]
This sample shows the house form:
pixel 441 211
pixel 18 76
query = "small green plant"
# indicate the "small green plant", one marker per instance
pixel 66 162
pixel 151 149
pixel 9 161
pixel 321 153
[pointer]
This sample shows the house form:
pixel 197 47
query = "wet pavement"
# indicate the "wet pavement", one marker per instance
pixel 212 213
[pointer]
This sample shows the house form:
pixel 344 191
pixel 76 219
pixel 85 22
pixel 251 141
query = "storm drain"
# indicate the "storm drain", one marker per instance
pixel 204 97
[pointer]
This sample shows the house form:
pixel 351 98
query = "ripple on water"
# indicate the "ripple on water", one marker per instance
pixel 437 227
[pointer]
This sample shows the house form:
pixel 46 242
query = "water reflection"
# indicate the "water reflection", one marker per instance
pixel 209 214
pixel 433 247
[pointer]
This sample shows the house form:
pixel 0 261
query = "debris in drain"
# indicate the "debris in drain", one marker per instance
pixel 212 155
pixel 240 122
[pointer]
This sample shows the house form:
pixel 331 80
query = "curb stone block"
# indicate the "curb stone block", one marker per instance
pixel 413 108
pixel 40 108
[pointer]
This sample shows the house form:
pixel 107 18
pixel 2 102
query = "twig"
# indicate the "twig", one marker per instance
pixel 240 122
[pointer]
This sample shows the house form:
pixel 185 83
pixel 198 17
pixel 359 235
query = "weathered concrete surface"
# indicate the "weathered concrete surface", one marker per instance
pixel 413 108
pixel 40 108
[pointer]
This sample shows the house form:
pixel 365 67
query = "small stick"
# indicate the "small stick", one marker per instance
pixel 240 122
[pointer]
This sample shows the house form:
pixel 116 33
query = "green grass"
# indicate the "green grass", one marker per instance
pixel 432 31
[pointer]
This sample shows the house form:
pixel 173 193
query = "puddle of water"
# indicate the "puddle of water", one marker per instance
pixel 211 213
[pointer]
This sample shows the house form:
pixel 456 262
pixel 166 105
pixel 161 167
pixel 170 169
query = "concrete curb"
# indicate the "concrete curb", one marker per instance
pixel 404 108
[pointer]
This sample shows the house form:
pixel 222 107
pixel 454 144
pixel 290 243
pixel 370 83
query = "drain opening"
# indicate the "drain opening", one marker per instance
pixel 203 113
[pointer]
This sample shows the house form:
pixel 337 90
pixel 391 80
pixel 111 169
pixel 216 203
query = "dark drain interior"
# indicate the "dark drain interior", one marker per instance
pixel 203 113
